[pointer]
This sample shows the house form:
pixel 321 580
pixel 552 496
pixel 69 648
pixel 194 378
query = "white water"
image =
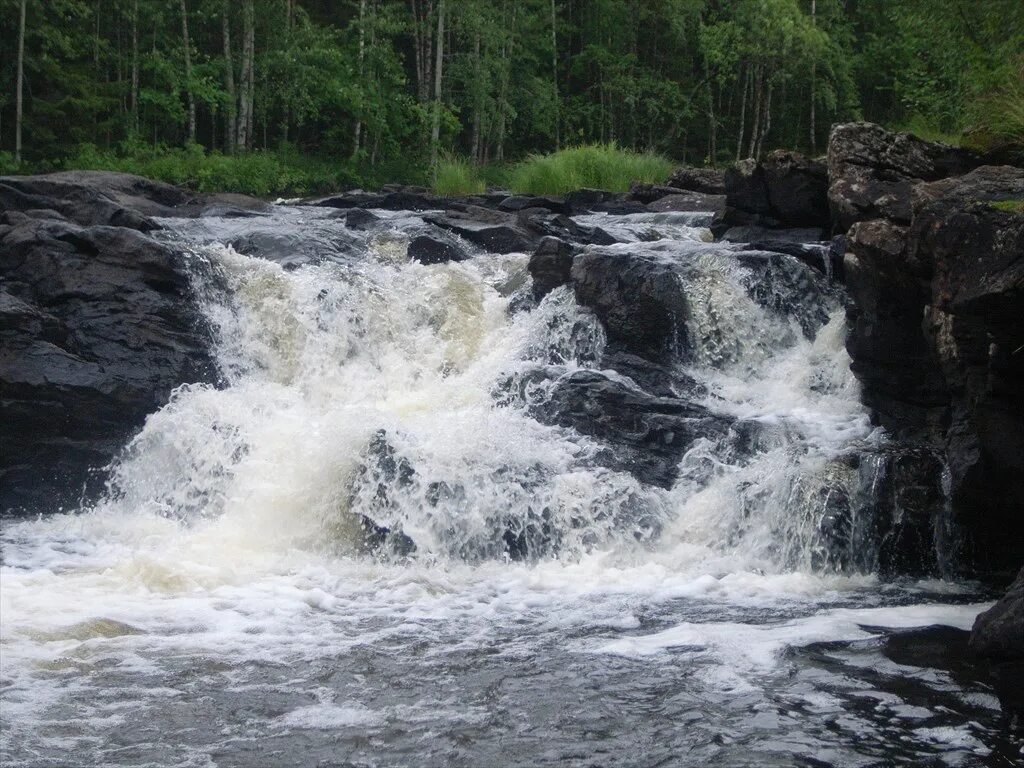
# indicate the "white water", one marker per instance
pixel 227 555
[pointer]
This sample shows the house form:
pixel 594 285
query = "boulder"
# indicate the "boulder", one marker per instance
pixel 494 231
pixel 515 203
pixel 644 434
pixel 98 325
pixel 428 250
pixel 784 190
pixel 638 299
pixel 360 219
pixel 709 181
pixel 998 635
pixel 550 265
pixel 872 171
pixel 646 193
pixel 690 201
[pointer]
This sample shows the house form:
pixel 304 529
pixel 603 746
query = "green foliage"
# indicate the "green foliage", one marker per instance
pixel 599 166
pixel 351 84
pixel 261 174
pixel 1010 206
pixel 457 176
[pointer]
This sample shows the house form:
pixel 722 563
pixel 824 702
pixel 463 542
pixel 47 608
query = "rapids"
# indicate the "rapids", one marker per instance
pixel 235 600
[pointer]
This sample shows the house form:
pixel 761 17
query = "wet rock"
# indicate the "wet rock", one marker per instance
pixel 998 635
pixel 710 181
pixel 494 231
pixel 428 250
pixel 638 299
pixel 872 171
pixel 550 265
pixel 785 190
pixel 643 192
pixel 97 326
pixel 753 233
pixel 515 203
pixel 645 435
pixel 360 219
pixel 691 201
pixel 935 337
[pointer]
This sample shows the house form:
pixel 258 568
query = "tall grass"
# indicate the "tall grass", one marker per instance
pixel 457 176
pixel 262 173
pixel 599 166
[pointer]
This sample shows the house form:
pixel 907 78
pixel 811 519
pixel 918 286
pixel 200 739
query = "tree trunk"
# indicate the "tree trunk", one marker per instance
pixel 814 77
pixel 358 132
pixel 18 103
pixel 766 122
pixel 759 93
pixel 188 73
pixel 230 128
pixel 743 116
pixel 246 84
pixel 435 131
pixel 478 101
pixel 135 68
pixel 554 76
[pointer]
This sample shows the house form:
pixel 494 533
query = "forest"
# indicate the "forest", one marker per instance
pixel 279 95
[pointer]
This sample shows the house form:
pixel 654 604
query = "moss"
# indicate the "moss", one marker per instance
pixel 1011 206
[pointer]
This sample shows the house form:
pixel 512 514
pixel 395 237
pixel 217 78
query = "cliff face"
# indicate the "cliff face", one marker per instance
pixel 936 275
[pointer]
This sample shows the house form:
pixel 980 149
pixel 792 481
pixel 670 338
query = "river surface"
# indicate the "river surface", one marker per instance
pixel 220 606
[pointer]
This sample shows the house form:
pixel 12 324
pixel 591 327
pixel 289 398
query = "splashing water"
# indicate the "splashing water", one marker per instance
pixel 224 604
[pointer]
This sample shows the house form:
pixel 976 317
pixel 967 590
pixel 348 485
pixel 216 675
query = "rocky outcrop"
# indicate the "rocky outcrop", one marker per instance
pixel 937 278
pixel 784 190
pixel 92 198
pixel 97 326
pixel 709 181
pixel 872 171
pixel 637 298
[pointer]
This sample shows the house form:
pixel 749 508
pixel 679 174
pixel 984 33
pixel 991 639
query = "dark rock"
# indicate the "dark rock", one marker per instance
pixel 427 250
pixel 360 219
pixel 97 326
pixel 816 255
pixel 646 435
pixel 691 201
pixel 998 635
pixel 117 199
pixel 566 228
pixel 646 193
pixel 550 265
pixel 750 234
pixel 638 299
pixel 586 200
pixel 785 190
pixel 710 181
pixel 935 337
pixel 494 231
pixel 519 202
pixel 872 171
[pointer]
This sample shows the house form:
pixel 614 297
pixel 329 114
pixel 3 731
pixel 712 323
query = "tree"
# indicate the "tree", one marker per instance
pixel 18 88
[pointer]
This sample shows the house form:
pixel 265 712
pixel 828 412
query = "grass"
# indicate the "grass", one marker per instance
pixel 598 166
pixel 457 176
pixel 1011 206
pixel 284 172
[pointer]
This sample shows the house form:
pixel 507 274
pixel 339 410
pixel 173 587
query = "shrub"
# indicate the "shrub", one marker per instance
pixel 600 166
pixel 457 176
